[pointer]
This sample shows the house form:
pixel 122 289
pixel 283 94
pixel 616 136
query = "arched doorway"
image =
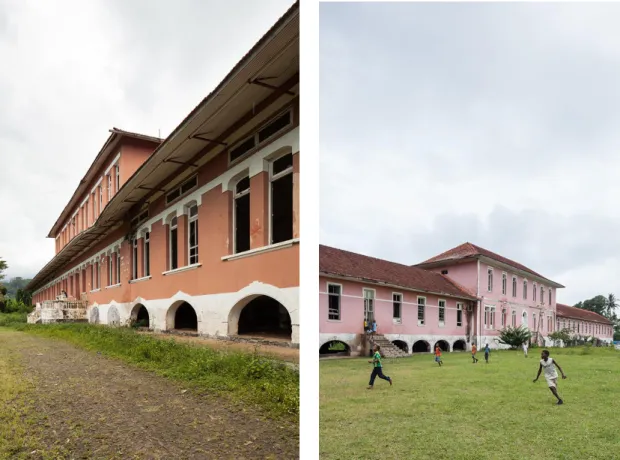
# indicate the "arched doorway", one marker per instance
pixel 402 345
pixel 421 346
pixel 182 317
pixel 459 345
pixel 443 345
pixel 335 348
pixel 140 316
pixel 265 317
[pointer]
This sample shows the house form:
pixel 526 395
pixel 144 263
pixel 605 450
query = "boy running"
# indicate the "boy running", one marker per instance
pixel 487 350
pixel 551 375
pixel 377 369
pixel 525 349
pixel 438 355
pixel 474 349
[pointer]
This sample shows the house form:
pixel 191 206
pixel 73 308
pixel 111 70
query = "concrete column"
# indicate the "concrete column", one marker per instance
pixel 259 210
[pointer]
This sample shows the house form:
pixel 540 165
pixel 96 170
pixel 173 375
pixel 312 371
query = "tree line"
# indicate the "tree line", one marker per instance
pixel 13 295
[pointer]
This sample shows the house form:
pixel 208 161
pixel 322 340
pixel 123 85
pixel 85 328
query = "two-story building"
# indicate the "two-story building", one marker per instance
pixel 414 308
pixel 199 231
pixel 584 323
pixel 465 295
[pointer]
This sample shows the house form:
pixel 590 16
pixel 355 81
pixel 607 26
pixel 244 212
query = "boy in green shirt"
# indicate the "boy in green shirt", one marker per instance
pixel 377 368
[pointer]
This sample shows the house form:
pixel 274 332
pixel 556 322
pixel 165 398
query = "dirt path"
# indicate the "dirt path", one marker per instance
pixel 102 408
pixel 284 353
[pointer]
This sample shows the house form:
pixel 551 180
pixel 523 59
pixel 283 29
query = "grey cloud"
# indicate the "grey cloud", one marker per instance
pixel 490 123
pixel 140 66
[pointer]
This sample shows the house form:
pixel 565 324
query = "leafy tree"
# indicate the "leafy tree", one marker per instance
pixel 596 304
pixel 514 336
pixel 3 267
pixel 563 335
pixel 23 296
pixel 611 305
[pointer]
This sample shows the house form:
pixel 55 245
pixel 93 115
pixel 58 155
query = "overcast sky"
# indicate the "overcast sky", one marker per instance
pixel 495 124
pixel 71 70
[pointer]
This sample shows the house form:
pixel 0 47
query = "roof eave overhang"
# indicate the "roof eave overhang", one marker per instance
pixel 391 285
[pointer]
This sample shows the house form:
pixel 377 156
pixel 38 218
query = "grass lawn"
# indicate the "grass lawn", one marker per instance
pixel 467 411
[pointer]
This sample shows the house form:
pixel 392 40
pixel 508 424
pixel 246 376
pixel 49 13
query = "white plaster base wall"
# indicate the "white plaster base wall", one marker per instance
pixel 410 339
pixel 218 314
pixel 354 341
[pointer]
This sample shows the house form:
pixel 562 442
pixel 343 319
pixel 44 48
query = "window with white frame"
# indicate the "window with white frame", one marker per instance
pixel 334 292
pixel 514 318
pixel 242 215
pixel 118 267
pixel 490 279
pixel 147 254
pixel 118 177
pixel 489 317
pixel 134 259
pixel 542 295
pixel 100 199
pixel 533 321
pixel 504 283
pixel 98 275
pixel 92 277
pixel 369 305
pixel 282 199
pixel 442 312
pixel 109 187
pixel 549 323
pixel 514 286
pixel 550 296
pixel 269 129
pixel 421 310
pixel 193 235
pixel 534 292
pixel 397 303
pixel 503 317
pixel 110 271
pixel 459 314
pixel 524 289
pixel 173 242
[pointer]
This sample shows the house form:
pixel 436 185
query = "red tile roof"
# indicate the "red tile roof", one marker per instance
pixel 566 311
pixel 344 263
pixel 467 250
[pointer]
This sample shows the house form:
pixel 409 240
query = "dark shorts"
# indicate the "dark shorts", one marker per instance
pixel 437 358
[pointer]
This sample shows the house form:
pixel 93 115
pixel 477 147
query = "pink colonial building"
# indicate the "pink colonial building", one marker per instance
pixel 464 295
pixel 197 232
pixel 584 323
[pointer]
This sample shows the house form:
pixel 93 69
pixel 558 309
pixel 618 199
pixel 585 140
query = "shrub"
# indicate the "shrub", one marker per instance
pixel 514 336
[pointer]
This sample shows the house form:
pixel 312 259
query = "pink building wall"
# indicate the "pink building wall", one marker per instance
pixel 349 328
pixel 586 328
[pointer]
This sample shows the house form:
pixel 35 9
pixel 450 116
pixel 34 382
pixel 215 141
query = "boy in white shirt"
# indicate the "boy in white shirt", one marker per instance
pixel 551 375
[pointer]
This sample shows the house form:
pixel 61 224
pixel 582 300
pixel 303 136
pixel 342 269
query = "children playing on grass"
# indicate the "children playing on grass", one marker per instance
pixel 525 349
pixel 377 370
pixel 474 349
pixel 438 359
pixel 551 375
pixel 487 350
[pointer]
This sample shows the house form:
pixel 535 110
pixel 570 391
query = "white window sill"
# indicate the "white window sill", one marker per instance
pixel 420 324
pixel 137 280
pixel 442 324
pixel 95 290
pixel 397 321
pixel 271 247
pixel 334 320
pixel 113 286
pixel 182 269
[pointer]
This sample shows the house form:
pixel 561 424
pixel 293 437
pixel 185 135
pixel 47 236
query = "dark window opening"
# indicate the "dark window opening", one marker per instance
pixel 282 209
pixel 173 195
pixel 147 254
pixel 134 266
pixel 242 149
pixel 459 345
pixel 282 164
pixel 185 318
pixel 335 347
pixel 334 302
pixel 190 184
pixel 265 316
pixel 444 272
pixel 242 215
pixel 274 127
pixel 173 245
pixel 420 347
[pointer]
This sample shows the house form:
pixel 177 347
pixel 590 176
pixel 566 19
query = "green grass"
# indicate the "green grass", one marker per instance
pixel 245 377
pixel 466 411
pixel 7 319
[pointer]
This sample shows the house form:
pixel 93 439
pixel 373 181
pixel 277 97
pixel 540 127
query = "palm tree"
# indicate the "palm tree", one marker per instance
pixel 611 305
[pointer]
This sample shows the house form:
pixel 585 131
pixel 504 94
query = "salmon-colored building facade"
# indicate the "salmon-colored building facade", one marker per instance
pixel 198 231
